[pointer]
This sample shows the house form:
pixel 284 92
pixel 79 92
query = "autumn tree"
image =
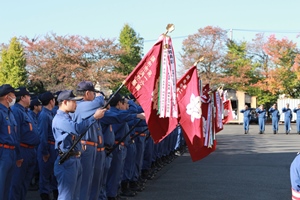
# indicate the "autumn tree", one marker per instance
pixel 60 62
pixel 13 64
pixel 280 76
pixel 209 42
pixel 260 65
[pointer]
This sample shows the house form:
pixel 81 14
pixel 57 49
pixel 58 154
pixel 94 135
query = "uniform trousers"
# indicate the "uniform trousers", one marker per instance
pixel 68 175
pixel 22 175
pixel 7 164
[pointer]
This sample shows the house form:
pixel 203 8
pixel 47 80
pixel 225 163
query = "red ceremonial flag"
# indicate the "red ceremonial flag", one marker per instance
pixel 210 142
pixel 227 111
pixel 189 106
pixel 218 107
pixel 143 82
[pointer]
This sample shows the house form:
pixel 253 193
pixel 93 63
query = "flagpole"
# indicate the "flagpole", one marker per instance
pixel 123 138
pixel 65 155
pixel 116 92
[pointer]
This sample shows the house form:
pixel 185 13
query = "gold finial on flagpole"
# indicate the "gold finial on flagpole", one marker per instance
pixel 199 60
pixel 221 87
pixel 170 28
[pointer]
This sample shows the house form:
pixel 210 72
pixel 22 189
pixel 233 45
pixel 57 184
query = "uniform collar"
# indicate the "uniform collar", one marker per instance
pixel 4 108
pixel 19 106
pixel 46 109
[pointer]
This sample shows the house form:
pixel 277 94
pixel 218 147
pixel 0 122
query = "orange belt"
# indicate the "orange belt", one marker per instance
pixel 6 146
pixel 26 146
pixel 51 142
pixel 101 149
pixel 89 143
pixel 142 134
pixel 122 143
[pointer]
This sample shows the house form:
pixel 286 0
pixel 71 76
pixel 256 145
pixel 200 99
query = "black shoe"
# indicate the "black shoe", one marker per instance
pixel 134 186
pixel 177 153
pixel 55 194
pixel 128 193
pixel 245 132
pixel 287 133
pixel 112 198
pixel 45 196
pixel 298 133
pixel 33 187
pixel 121 198
pixel 260 132
pixel 275 132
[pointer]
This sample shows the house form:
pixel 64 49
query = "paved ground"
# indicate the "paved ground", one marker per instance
pixel 248 167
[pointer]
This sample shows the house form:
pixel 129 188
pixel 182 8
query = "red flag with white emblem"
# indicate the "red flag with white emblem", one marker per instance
pixel 189 105
pixel 227 114
pixel 144 83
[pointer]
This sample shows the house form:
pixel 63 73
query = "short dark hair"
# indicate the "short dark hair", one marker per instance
pixel 80 92
pixel 116 98
pixel 18 98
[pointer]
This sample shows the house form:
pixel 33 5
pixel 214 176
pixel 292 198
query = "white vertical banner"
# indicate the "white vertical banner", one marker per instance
pixel 167 86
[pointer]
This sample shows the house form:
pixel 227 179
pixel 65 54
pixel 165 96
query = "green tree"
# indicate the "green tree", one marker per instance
pixel 132 46
pixel 13 64
pixel 237 66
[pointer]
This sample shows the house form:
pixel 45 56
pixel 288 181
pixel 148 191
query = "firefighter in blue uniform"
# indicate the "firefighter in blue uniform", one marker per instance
pixel 287 118
pixel 297 111
pixel 46 151
pixel 261 118
pixel 295 177
pixel 7 139
pixel 35 109
pixel 85 108
pixel 137 183
pixel 119 153
pixel 109 140
pixel 275 118
pixel 28 139
pixel 66 131
pixel 129 162
pixel 247 116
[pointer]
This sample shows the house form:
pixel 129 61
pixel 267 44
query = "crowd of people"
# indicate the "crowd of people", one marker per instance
pixel 79 146
pixel 275 115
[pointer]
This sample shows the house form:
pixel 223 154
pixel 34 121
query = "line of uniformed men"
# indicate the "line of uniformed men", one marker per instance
pixel 95 169
pixel 275 115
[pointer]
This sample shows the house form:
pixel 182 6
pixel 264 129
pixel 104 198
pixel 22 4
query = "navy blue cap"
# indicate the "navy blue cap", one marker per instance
pixel 114 101
pixel 86 85
pixel 67 95
pixel 21 91
pixel 46 97
pixel 56 94
pixel 130 96
pixel 5 89
pixel 35 102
